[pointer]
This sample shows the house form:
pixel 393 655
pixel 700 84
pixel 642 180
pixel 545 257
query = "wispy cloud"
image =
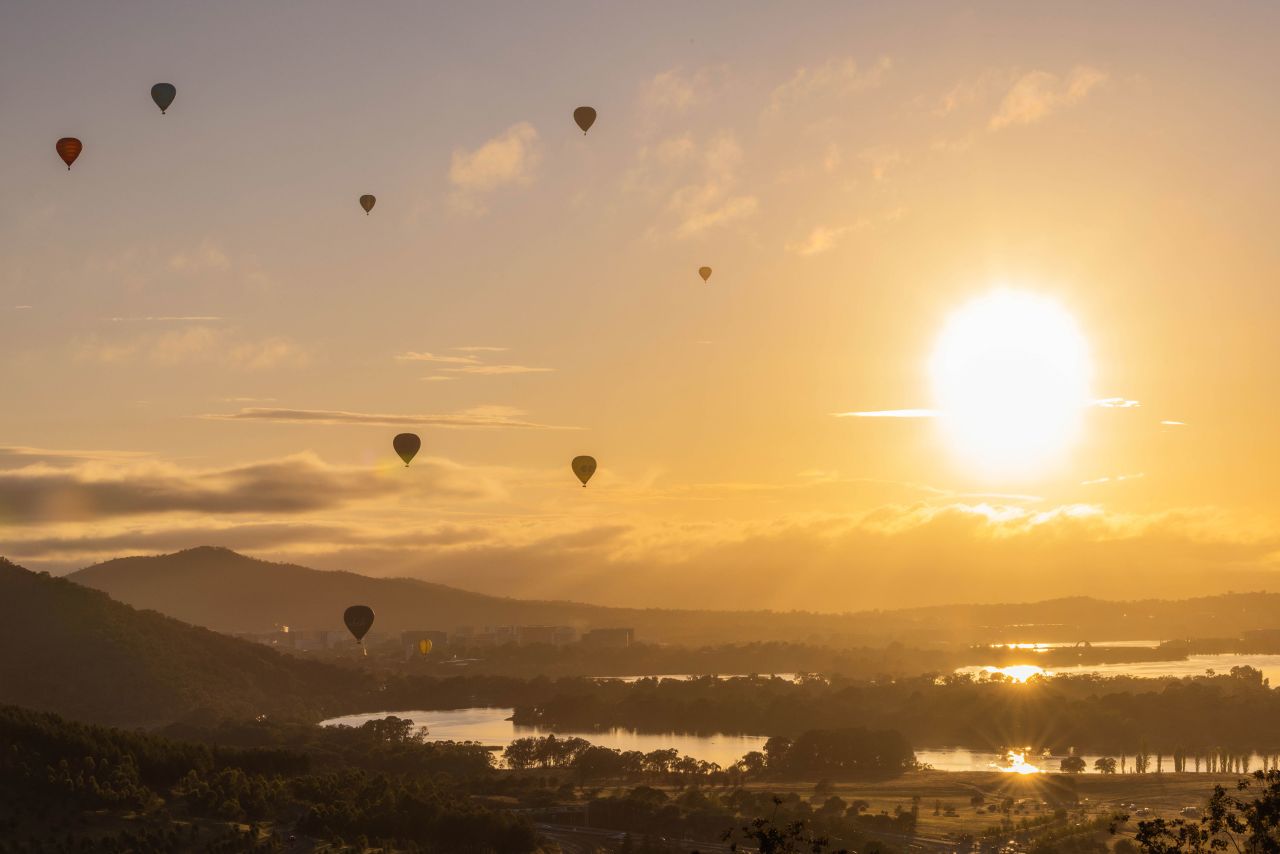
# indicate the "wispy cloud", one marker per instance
pixel 1174 423
pixel 508 159
pixel 481 349
pixel 196 345
pixel 821 239
pixel 413 356
pixel 1113 479
pixel 477 417
pixel 1116 403
pixel 171 318
pixel 834 78
pixel 889 413
pixel 1037 94
pixel 499 369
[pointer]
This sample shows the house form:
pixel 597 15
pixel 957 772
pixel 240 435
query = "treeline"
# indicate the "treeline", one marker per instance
pixel 582 659
pixel 837 754
pixel 1235 712
pixel 59 781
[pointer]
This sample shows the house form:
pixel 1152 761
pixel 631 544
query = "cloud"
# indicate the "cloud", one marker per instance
pixel 820 239
pixel 412 356
pixel 833 79
pixel 714 200
pixel 173 318
pixel 1037 94
pixel 42 492
pixel 889 413
pixel 499 369
pixel 436 378
pixel 1174 423
pixel 480 416
pixel 205 258
pixel 509 159
pixel 1116 403
pixel 675 91
pixel 481 349
pixel 196 345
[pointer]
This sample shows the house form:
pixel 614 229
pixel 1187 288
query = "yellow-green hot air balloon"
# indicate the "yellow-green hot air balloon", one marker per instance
pixel 585 117
pixel 359 619
pixel 424 646
pixel 584 467
pixel 406 446
pixel 163 94
pixel 705 273
pixel 367 202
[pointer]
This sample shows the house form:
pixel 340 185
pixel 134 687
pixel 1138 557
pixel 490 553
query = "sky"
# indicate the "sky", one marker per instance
pixel 205 340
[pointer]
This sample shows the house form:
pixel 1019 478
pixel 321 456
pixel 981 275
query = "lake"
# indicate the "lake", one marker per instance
pixel 1194 665
pixel 490 727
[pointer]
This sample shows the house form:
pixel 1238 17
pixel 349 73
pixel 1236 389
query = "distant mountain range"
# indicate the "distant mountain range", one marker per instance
pixel 65 648
pixel 229 592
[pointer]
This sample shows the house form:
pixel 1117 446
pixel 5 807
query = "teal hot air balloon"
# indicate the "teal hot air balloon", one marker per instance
pixel 584 467
pixel 406 446
pixel 163 94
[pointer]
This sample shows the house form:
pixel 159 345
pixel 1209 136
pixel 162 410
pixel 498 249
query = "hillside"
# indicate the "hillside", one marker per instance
pixel 65 648
pixel 229 592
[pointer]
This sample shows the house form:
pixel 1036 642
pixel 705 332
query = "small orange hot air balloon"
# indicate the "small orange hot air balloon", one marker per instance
pixel 705 273
pixel 69 149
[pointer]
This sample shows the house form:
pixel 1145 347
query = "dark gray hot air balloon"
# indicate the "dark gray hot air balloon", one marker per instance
pixel 585 117
pixel 359 619
pixel 407 446
pixel 367 202
pixel 584 467
pixel 705 273
pixel 163 94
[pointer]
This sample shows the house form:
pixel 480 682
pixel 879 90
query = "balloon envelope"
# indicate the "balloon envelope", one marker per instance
pixel 704 272
pixel 367 202
pixel 359 619
pixel 424 646
pixel 584 467
pixel 69 149
pixel 163 94
pixel 406 445
pixel 585 117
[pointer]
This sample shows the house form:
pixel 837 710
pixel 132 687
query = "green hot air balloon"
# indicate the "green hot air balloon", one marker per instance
pixel 584 467
pixel 585 117
pixel 705 273
pixel 367 202
pixel 163 94
pixel 359 619
pixel 406 445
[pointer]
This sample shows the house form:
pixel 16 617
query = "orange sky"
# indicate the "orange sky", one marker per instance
pixel 206 341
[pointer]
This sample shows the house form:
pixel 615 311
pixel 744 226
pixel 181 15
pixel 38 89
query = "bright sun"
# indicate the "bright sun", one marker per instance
pixel 1011 376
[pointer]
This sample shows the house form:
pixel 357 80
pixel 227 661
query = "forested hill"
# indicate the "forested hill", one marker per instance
pixel 229 592
pixel 71 650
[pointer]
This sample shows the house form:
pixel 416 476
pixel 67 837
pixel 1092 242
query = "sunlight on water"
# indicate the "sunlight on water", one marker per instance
pixel 1019 672
pixel 1016 763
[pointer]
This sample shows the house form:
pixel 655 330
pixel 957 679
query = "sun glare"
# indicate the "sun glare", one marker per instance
pixel 1011 376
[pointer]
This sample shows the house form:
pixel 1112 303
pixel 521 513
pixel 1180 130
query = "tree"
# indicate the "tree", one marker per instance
pixel 1233 822
pixel 1105 765
pixel 1072 765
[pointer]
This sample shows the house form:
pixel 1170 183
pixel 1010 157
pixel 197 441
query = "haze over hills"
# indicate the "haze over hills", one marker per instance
pixel 229 592
pixel 65 648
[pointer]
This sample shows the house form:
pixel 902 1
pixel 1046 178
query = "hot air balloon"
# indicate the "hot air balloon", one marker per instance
pixel 705 273
pixel 163 94
pixel 585 117
pixel 367 202
pixel 69 149
pixel 584 467
pixel 359 619
pixel 424 646
pixel 406 445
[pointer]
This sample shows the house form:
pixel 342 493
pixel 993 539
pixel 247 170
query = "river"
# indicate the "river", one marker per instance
pixel 490 726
